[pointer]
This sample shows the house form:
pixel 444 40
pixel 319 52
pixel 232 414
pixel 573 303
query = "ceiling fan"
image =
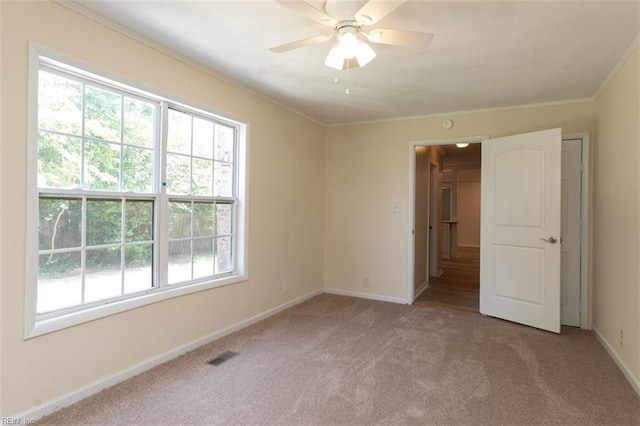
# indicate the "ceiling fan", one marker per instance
pixel 348 19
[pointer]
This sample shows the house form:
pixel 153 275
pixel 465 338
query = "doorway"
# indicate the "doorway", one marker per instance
pixel 457 285
pixel 456 204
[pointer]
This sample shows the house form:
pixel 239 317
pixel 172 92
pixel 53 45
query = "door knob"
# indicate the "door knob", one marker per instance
pixel 551 240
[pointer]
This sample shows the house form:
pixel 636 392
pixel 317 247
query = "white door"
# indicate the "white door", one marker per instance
pixel 520 229
pixel 570 247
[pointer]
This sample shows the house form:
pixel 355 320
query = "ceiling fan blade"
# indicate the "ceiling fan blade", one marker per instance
pixel 309 11
pixel 301 43
pixel 375 10
pixel 399 37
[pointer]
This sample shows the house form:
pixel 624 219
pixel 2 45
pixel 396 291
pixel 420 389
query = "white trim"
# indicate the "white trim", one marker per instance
pixel 412 197
pixel 421 289
pixel 585 208
pixel 469 245
pixel 434 232
pixel 466 112
pixel 137 86
pixel 411 205
pixel 31 232
pixel 623 59
pixel 76 395
pixel 585 301
pixel 76 6
pixel 36 327
pixel 370 296
pixel 633 380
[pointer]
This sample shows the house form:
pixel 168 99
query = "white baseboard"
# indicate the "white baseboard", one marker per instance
pixel 76 395
pixel 365 295
pixel 635 383
pixel 422 288
pixel 469 245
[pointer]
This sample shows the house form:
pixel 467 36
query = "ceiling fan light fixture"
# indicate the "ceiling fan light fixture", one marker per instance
pixel 334 58
pixel 462 145
pixel 365 54
pixel 348 45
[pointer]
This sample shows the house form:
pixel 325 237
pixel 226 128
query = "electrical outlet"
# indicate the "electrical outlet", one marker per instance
pixel 285 287
pixel 622 338
pixel 366 281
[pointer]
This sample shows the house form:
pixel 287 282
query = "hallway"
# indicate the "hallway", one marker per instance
pixel 459 286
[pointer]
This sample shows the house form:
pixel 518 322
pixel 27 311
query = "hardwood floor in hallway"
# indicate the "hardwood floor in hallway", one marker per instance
pixel 459 286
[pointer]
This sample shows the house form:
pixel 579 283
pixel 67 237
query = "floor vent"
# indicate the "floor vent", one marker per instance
pixel 222 358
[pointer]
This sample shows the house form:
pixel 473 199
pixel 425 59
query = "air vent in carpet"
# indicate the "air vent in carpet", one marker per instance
pixel 222 358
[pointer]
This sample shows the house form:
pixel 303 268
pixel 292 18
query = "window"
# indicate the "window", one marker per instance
pixel 200 184
pixel 138 198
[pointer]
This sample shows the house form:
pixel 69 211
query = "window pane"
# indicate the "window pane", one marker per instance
pixel 223 179
pixel 60 223
pixel 203 220
pixel 223 255
pixel 203 258
pixel 138 274
pixel 138 221
pixel 179 261
pixel 202 138
pixel 58 161
pixel 137 170
pixel 103 114
pixel 178 174
pixel 202 177
pixel 224 143
pixel 179 220
pixel 103 277
pixel 59 281
pixel 104 222
pixel 179 129
pixel 139 119
pixel 102 166
pixel 59 103
pixel 223 219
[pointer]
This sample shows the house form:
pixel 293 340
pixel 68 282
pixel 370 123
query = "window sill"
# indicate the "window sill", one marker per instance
pixel 49 325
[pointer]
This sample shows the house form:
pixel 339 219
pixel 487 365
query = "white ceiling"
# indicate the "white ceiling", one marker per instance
pixel 485 54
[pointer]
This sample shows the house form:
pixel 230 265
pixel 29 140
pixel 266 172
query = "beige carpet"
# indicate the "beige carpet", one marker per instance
pixel 336 360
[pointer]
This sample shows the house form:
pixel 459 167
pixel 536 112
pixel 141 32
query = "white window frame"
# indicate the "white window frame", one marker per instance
pixel 36 325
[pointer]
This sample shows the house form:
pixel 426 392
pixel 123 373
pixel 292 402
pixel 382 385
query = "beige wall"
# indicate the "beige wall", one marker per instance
pixel 616 238
pixel 285 217
pixel 469 213
pixel 311 221
pixel 367 172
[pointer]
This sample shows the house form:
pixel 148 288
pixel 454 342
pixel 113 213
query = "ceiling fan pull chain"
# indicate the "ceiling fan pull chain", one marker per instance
pixel 347 91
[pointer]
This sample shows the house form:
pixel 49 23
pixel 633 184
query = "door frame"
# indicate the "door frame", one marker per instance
pixel 585 209
pixel 433 232
pixel 412 194
pixel 585 230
